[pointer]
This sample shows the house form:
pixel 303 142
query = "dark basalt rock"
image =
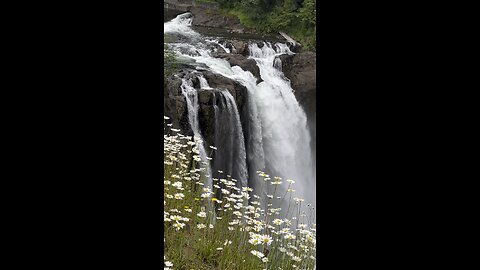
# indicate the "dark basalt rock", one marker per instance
pixel 176 106
pixel 240 47
pixel 238 91
pixel 243 62
pixel 300 69
pixel 212 17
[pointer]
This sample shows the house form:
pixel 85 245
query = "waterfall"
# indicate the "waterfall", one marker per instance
pixel 191 96
pixel 181 26
pixel 254 140
pixel 204 83
pixel 277 139
pixel 230 155
pixel 286 139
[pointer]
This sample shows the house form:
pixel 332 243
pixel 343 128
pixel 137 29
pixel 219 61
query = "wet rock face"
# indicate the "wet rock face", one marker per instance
pixel 243 62
pixel 240 47
pixel 211 97
pixel 301 68
pixel 176 106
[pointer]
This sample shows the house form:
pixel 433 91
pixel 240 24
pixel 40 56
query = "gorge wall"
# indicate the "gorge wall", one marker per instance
pixel 299 68
pixel 213 102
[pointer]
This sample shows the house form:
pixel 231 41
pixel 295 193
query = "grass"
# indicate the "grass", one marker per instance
pixel 223 226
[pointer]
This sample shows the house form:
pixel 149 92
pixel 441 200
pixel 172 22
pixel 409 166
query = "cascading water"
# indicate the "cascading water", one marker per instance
pixel 286 140
pixel 181 26
pixel 191 96
pixel 204 84
pixel 278 140
pixel 230 155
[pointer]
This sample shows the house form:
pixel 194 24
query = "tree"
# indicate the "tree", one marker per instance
pixel 307 13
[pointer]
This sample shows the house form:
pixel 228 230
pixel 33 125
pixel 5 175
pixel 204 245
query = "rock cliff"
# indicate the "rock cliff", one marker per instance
pixel 299 68
pixel 175 105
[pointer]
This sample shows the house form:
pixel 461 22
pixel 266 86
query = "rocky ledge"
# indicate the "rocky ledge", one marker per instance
pixel 300 68
pixel 175 105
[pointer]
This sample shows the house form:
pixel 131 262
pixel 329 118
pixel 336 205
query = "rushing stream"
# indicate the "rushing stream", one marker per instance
pixel 278 140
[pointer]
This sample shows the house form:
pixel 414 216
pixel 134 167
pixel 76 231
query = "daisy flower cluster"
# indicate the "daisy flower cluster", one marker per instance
pixel 214 223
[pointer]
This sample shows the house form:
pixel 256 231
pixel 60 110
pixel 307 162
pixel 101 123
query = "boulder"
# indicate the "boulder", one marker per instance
pixel 243 62
pixel 240 47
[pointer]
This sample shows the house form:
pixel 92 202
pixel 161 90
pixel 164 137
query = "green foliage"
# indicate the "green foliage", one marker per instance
pixel 281 18
pixel 253 8
pixel 169 65
pixel 307 13
pixel 227 4
pixel 295 17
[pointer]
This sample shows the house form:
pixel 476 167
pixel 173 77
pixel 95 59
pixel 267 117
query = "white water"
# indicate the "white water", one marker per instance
pixel 191 97
pixel 279 140
pixel 180 25
pixel 240 159
pixel 204 83
pixel 217 42
pixel 229 138
pixel 286 139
